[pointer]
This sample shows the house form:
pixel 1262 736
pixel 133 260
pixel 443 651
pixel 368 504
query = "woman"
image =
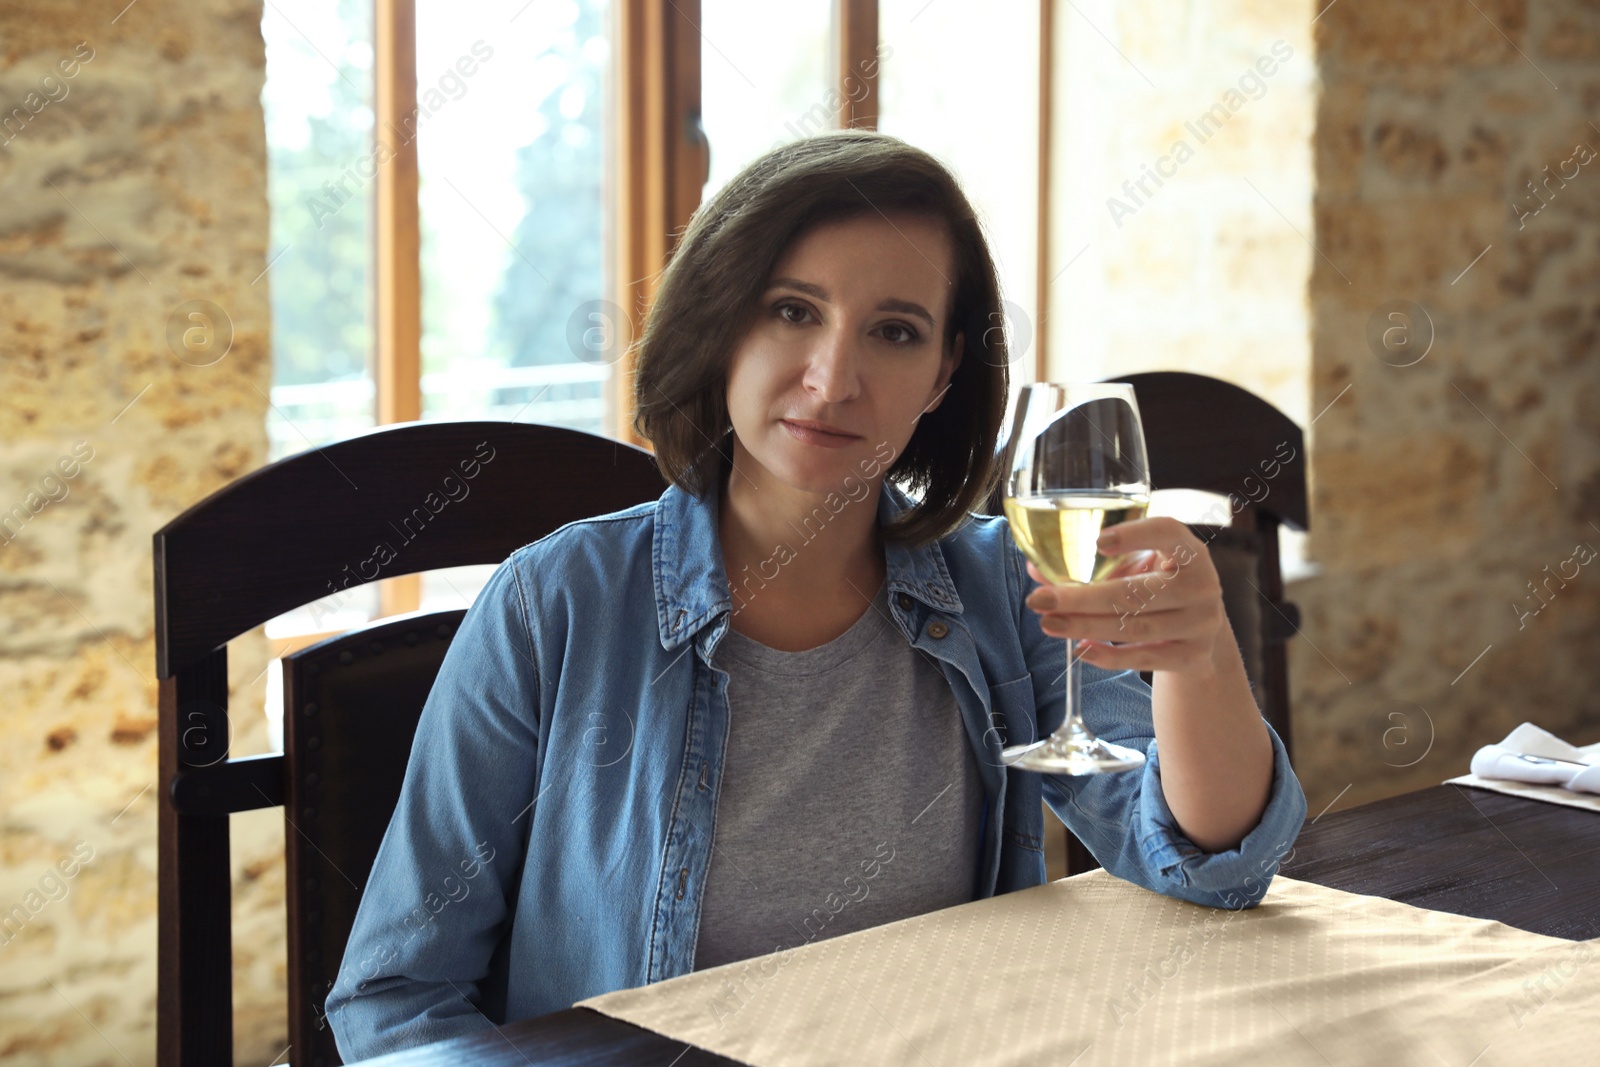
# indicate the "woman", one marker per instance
pixel 768 708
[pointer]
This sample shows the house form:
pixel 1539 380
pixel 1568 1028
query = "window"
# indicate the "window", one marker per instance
pixel 509 133
pixel 319 122
pixel 559 147
pixel 510 197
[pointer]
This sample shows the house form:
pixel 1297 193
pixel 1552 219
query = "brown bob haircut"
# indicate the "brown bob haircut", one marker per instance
pixel 711 291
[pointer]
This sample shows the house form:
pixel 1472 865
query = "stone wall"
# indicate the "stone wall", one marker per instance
pixel 1449 481
pixel 132 186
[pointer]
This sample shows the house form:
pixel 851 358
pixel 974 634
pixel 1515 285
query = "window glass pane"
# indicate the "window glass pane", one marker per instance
pixel 763 79
pixel 453 587
pixel 318 105
pixel 318 108
pixel 510 140
pixel 964 86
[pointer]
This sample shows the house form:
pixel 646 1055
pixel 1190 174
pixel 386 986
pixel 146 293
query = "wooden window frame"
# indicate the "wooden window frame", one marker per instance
pixel 1041 253
pixel 657 165
pixel 853 40
pixel 397 250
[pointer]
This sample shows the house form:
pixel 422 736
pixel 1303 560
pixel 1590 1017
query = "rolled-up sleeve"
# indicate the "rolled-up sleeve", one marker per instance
pixel 441 888
pixel 1235 877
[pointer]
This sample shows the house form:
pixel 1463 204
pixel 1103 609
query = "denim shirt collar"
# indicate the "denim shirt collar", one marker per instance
pixel 691 584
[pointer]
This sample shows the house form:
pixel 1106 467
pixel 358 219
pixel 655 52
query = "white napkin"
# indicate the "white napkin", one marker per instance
pixel 1531 754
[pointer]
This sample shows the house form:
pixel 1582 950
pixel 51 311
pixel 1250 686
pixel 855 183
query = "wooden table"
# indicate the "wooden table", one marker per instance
pixel 1473 852
pixel 1529 864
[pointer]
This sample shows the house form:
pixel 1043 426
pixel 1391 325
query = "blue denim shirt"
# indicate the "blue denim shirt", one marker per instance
pixel 562 788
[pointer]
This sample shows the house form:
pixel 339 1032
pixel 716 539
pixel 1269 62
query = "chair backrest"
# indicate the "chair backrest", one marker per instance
pixel 351 705
pixel 1206 434
pixel 397 500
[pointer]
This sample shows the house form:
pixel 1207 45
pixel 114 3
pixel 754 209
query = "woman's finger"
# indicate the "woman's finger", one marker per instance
pixel 1134 626
pixel 1145 559
pixel 1119 597
pixel 1165 656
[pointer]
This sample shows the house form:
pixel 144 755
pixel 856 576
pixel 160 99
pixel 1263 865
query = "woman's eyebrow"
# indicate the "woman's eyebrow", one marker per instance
pixel 905 307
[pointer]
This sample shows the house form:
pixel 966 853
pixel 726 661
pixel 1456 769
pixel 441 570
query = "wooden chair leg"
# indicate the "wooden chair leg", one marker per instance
pixel 194 944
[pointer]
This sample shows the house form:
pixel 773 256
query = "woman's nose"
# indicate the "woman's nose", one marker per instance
pixel 831 371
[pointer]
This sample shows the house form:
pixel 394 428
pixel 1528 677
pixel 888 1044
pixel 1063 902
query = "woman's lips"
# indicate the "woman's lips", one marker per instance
pixel 821 438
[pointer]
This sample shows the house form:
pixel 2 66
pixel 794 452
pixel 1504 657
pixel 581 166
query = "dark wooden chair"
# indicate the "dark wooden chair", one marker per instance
pixel 435 495
pixel 1205 434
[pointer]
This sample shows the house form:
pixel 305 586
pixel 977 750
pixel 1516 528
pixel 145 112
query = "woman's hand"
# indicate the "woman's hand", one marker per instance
pixel 1162 603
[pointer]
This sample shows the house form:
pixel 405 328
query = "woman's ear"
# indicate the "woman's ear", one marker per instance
pixel 947 367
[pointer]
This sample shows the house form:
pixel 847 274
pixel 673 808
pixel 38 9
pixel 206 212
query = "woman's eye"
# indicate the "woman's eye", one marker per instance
pixel 899 334
pixel 800 314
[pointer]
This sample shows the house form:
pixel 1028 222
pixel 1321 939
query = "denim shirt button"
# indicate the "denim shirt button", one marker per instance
pixel 937 629
pixel 904 601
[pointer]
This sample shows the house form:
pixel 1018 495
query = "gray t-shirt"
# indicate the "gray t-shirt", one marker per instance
pixel 850 794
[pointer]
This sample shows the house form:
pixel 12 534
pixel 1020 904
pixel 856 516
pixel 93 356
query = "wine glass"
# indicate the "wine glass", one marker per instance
pixel 1074 465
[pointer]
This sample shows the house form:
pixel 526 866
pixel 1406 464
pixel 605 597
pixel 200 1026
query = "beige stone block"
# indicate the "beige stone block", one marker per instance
pixel 1356 33
pixel 1574 36
pixel 1482 155
pixel 1406 249
pixel 1408 151
pixel 1375 506
pixel 1521 102
pixel 1531 471
pixel 1458 620
pixel 1352 733
pixel 1527 256
pixel 171 478
pixel 1426 83
pixel 1364 646
pixel 1339 144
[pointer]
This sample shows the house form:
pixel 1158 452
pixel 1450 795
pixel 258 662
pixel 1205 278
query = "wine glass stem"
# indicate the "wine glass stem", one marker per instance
pixel 1073 722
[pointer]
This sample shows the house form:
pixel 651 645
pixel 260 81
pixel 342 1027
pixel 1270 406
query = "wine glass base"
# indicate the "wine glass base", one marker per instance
pixel 1072 756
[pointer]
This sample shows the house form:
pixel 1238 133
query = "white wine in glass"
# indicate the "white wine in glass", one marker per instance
pixel 1075 465
pixel 1059 530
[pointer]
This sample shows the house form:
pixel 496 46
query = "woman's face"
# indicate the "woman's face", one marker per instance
pixel 844 355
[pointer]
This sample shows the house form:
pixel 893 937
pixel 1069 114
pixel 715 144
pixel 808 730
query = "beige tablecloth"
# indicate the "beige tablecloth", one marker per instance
pixel 1093 970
